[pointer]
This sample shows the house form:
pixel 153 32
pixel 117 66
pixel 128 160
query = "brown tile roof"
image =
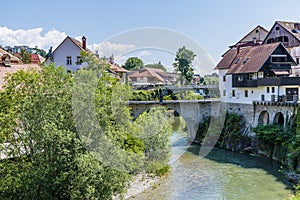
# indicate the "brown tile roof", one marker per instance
pixel 4 71
pixel 249 59
pixel 76 42
pixel 116 68
pixel 79 44
pixel 158 73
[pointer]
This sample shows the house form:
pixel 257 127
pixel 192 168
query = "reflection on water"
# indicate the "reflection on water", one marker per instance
pixel 220 175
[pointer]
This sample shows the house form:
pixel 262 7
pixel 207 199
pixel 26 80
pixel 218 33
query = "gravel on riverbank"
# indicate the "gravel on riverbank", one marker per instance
pixel 139 183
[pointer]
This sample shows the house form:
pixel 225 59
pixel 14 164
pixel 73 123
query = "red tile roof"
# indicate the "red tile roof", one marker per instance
pixel 247 59
pixel 37 59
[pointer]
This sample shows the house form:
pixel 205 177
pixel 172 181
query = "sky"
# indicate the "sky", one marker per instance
pixel 152 30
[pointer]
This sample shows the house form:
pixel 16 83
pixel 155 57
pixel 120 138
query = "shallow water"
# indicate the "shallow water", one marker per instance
pixel 220 175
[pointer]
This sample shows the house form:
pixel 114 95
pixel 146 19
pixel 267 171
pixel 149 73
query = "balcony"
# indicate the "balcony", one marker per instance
pixel 278 81
pixel 269 81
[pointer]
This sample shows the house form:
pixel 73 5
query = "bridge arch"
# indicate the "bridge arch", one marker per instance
pixel 263 118
pixel 278 119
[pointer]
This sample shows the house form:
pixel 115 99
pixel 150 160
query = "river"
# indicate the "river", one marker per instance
pixel 220 175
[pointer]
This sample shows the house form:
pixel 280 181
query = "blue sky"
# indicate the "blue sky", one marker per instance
pixel 213 24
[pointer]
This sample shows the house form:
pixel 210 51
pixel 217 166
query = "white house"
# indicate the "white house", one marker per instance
pixel 67 54
pixel 257 73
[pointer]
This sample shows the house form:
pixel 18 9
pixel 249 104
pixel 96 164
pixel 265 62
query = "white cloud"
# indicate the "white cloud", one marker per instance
pixel 144 54
pixel 108 49
pixel 31 37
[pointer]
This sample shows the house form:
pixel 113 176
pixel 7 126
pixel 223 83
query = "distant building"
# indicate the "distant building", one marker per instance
pixel 151 77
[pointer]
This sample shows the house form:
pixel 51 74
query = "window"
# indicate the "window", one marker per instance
pixel 297 61
pixel 278 58
pixel 277 28
pixel 246 93
pixel 268 90
pixel 236 61
pixel 79 60
pixel 260 74
pixel 250 76
pixel 253 76
pixel 69 60
pixel 273 89
pixel 240 78
pixel 233 93
pixel 224 93
pixel 224 78
pixel 270 40
pixel 246 59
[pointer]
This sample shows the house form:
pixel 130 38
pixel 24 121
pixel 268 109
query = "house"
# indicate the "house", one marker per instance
pixel 257 73
pixel 116 69
pixel 151 77
pixel 10 64
pixel 255 36
pixel 288 33
pixel 67 54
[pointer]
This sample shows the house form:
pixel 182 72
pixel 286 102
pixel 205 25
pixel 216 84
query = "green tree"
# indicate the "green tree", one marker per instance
pixel 50 160
pixel 133 63
pixel 183 64
pixel 39 132
pixel 156 65
pixel 25 56
pixel 42 52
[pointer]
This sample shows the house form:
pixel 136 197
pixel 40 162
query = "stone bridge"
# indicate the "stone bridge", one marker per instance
pixel 192 111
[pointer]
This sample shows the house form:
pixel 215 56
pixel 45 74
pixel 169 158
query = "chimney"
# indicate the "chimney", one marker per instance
pixel 84 43
pixel 237 50
pixel 111 59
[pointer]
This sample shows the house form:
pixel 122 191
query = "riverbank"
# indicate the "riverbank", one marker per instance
pixel 140 183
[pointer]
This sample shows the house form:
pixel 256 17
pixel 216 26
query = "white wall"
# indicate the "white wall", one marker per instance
pixel 295 53
pixel 67 48
pixel 222 84
pixel 254 94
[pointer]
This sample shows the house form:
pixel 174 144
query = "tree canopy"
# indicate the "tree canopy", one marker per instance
pixel 44 153
pixel 156 65
pixel 183 64
pixel 133 63
pixel 25 56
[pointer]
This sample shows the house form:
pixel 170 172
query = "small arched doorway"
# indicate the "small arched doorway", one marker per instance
pixel 263 118
pixel 278 119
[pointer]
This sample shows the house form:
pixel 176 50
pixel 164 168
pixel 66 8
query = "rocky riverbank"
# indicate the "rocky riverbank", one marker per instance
pixel 140 183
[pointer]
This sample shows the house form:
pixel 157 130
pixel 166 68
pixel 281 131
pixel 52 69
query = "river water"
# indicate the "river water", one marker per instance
pixel 220 175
